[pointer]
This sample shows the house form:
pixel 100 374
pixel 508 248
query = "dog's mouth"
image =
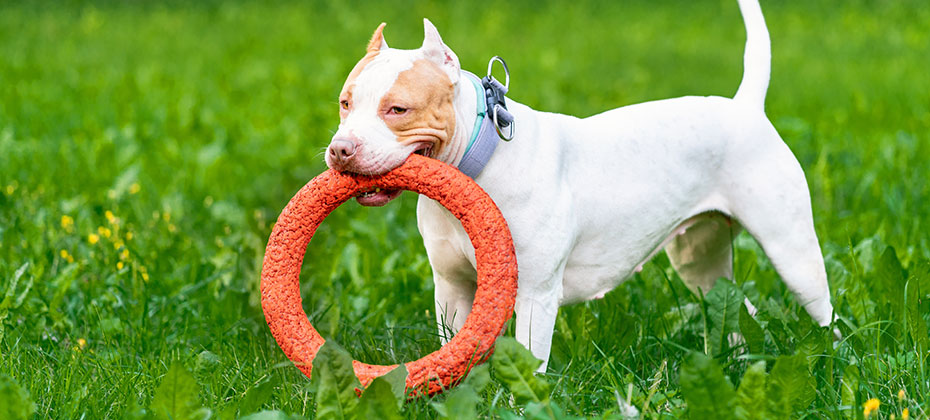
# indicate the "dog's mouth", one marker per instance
pixel 377 197
pixel 424 149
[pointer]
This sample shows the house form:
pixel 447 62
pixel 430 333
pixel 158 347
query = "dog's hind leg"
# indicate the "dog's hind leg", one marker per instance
pixel 771 200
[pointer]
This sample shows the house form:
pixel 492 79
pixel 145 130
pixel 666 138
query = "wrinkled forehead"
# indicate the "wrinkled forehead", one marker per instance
pixel 374 75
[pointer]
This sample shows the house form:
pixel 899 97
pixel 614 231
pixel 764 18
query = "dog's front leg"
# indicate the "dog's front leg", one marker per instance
pixel 454 297
pixel 454 275
pixel 536 311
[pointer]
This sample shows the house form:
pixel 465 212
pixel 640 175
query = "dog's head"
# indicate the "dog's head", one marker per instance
pixel 395 103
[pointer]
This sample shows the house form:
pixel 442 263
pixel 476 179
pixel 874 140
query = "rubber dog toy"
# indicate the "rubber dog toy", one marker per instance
pixel 482 220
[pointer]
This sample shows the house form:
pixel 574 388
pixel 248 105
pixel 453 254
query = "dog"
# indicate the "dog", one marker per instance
pixel 588 200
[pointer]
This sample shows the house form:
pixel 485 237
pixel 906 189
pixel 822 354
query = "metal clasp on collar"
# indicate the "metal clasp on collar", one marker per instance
pixel 497 103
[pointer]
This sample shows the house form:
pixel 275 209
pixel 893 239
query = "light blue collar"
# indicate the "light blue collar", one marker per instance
pixel 484 137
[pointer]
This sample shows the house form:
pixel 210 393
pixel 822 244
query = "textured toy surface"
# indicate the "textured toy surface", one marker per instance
pixel 494 252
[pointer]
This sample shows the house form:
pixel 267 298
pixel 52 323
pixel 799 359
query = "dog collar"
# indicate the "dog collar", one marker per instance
pixel 492 121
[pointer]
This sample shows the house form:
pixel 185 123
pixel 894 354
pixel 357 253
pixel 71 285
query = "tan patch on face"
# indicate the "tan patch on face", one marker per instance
pixel 426 93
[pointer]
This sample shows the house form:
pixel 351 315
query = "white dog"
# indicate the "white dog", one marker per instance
pixel 588 200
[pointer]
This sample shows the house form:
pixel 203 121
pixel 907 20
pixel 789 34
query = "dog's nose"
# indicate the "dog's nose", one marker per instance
pixel 341 150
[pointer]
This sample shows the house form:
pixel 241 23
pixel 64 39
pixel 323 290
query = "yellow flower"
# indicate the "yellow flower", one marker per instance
pixel 93 238
pixel 65 255
pixel 901 395
pixel 105 232
pixel 67 223
pixel 118 244
pixel 119 265
pixel 905 414
pixel 124 255
pixel 128 236
pixel 145 273
pixel 9 189
pixel 81 343
pixel 172 228
pixel 870 406
pixel 134 188
pixel 110 217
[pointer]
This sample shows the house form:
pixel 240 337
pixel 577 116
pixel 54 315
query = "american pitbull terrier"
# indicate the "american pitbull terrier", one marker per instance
pixel 588 200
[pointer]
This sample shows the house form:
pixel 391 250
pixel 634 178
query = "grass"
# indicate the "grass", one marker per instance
pixel 174 133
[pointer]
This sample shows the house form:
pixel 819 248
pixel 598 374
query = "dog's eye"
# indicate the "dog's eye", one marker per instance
pixel 344 104
pixel 398 110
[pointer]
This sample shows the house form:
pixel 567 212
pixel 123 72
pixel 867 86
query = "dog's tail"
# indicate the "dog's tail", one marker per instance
pixel 757 58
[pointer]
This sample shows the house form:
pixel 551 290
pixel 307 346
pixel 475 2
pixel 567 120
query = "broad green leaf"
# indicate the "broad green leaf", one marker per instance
pixel 706 391
pixel 14 400
pixel 891 275
pixel 849 386
pixel 750 396
pixel 255 397
pixel 790 385
pixel 868 252
pixel 860 301
pixel 461 404
pixel 10 300
pixel 334 382
pixel 463 400
pixel 397 378
pixel 813 339
pixel 916 292
pixel 378 402
pixel 177 396
pixel 751 331
pixel 515 367
pixel 478 378
pixel 722 305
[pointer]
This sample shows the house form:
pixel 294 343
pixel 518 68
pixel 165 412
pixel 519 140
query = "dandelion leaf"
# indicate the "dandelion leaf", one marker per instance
pixel 515 367
pixel 849 386
pixel 751 331
pixel 722 305
pixel 750 397
pixel 918 286
pixel 14 400
pixel 707 392
pixel 463 401
pixel 177 396
pixel 379 402
pixel 790 386
pixel 334 382
pixel 256 396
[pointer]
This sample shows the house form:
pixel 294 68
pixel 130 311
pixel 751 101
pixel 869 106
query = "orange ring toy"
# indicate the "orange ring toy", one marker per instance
pixel 482 220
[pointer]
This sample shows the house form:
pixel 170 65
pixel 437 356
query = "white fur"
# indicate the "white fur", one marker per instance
pixel 588 201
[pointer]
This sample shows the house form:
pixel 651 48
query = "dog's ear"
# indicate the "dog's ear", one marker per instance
pixel 436 51
pixel 377 42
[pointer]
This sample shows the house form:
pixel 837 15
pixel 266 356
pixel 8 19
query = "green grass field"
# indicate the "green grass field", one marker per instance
pixel 146 149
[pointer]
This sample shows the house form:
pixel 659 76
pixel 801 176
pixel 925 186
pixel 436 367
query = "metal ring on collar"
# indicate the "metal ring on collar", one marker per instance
pixel 506 70
pixel 500 132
